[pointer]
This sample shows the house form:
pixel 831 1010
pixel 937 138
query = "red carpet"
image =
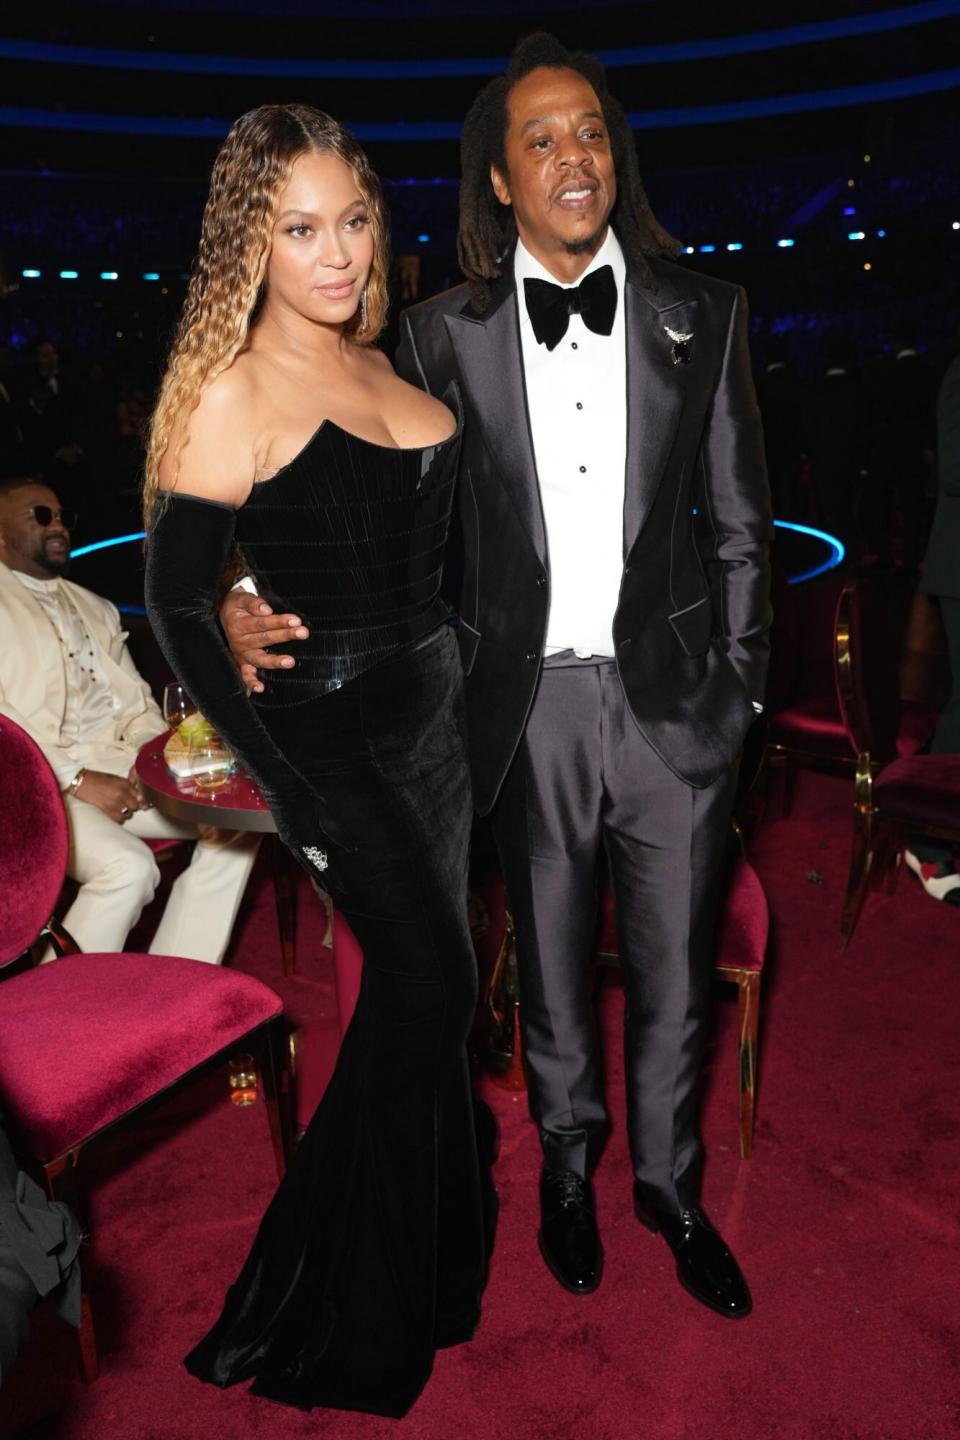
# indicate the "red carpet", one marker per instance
pixel 845 1221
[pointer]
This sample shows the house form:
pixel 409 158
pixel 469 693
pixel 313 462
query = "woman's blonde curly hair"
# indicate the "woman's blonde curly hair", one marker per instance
pixel 226 286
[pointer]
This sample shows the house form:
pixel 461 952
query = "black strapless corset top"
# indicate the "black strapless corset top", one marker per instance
pixel 350 536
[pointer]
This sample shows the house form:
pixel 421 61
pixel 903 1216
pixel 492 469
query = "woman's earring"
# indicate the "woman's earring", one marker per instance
pixel 363 309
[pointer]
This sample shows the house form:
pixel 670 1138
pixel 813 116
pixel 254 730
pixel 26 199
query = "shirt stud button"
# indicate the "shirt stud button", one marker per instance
pixel 579 404
pixel 574 345
pixel 583 469
pixel 532 656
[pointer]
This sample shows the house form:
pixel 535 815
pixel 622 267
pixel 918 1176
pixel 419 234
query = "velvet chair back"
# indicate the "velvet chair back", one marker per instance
pixel 33 841
pixel 867 671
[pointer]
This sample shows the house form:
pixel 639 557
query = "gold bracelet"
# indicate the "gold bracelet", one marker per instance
pixel 76 782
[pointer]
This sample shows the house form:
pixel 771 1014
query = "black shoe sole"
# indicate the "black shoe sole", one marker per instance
pixel 558 1275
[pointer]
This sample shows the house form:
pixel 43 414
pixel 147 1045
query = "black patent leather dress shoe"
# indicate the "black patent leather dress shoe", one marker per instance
pixel 568 1237
pixel 705 1266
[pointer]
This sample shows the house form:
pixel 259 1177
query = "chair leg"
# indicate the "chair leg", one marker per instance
pixel 285 893
pixel 501 1047
pixel 87 1342
pixel 749 993
pixel 861 861
pixel 273 1065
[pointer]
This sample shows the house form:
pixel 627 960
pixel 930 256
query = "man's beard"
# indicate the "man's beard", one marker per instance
pixel 587 246
pixel 53 564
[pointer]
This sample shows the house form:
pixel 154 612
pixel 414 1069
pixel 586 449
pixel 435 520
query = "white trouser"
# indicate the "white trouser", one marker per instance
pixel 118 876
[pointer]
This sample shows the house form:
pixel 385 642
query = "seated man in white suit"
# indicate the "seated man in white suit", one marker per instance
pixel 67 678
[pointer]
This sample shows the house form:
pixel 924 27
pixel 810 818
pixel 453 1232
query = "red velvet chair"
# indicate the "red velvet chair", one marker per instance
pixel 920 795
pixel 88 1040
pixel 741 951
pixel 856 725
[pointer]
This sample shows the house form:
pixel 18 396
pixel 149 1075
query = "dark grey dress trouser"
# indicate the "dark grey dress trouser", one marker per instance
pixel 585 779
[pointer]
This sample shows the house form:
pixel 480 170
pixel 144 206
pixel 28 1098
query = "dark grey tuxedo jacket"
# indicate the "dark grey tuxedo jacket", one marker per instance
pixel 691 625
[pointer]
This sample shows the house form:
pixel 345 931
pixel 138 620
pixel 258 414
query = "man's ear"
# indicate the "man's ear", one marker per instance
pixel 500 187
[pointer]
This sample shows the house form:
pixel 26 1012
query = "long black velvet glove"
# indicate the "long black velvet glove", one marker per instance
pixel 186 550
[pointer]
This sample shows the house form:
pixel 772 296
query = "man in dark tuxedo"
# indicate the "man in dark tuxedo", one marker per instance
pixel 613 618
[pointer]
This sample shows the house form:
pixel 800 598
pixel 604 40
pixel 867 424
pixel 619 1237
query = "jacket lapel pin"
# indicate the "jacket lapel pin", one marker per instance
pixel 680 353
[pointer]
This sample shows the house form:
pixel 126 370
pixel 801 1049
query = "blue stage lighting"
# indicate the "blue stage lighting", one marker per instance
pixel 688 249
pixel 856 235
pixel 109 275
pixel 715 47
pixel 835 558
pixel 151 275
pixel 881 233
pixel 707 249
pixel 211 127
pixel 423 239
pixel 30 274
pixel 106 544
pixel 69 274
pixel 786 244
pixel 849 209
pixel 735 245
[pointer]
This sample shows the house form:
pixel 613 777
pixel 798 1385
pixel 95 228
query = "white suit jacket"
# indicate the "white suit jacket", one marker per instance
pixel 33 680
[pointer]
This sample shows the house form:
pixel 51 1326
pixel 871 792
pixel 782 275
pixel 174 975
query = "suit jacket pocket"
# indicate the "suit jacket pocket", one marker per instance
pixel 693 626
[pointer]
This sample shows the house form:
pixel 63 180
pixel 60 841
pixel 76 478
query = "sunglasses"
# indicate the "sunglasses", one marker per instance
pixel 45 516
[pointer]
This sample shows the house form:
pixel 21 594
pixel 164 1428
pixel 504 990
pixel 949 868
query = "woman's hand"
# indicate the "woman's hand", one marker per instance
pixel 249 625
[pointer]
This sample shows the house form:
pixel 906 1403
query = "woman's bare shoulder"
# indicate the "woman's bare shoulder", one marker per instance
pixel 211 450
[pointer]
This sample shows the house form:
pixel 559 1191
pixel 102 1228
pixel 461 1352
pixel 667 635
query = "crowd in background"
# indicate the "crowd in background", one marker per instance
pixel 848 349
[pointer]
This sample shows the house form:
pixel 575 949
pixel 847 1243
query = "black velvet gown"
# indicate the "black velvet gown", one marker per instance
pixel 373 1252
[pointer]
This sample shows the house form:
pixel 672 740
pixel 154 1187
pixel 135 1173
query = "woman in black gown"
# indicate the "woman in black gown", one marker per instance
pixel 279 429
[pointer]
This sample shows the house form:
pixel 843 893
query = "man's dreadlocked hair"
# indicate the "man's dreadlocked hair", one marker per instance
pixel 487 228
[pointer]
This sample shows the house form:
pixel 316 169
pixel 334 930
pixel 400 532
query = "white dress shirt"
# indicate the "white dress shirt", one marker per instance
pixel 577 404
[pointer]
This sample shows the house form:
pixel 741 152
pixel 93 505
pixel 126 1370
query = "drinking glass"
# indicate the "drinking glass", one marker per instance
pixel 211 762
pixel 177 704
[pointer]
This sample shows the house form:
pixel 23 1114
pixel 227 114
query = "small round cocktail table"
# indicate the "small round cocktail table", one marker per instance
pixel 238 805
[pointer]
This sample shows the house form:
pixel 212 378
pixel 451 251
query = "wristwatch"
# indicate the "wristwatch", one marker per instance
pixel 76 782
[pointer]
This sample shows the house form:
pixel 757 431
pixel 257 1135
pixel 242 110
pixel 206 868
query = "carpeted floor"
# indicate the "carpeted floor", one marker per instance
pixel 845 1221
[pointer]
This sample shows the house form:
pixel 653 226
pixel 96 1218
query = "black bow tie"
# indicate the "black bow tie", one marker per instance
pixel 550 306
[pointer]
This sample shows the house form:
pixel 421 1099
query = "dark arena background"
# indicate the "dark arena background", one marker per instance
pixel 808 151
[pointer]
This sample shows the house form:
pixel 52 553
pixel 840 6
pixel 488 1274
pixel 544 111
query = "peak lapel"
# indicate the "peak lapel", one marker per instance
pixel 656 393
pixel 491 363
